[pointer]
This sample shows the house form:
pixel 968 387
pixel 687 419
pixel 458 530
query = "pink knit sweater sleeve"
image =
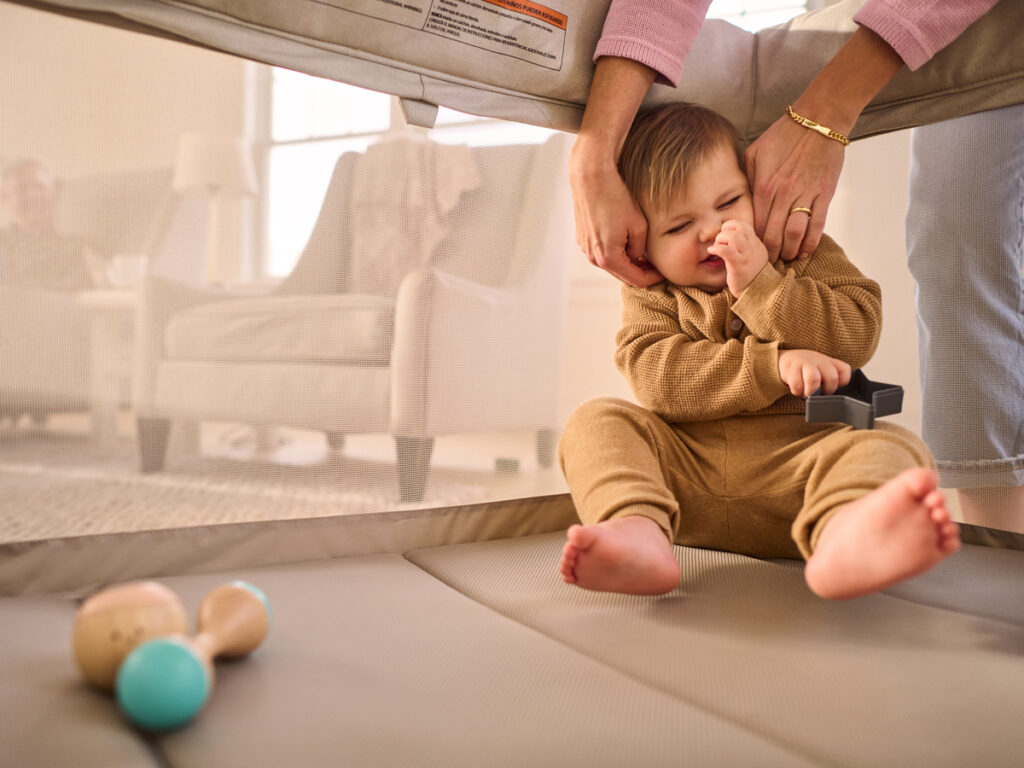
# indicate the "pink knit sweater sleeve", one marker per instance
pixel 918 29
pixel 659 33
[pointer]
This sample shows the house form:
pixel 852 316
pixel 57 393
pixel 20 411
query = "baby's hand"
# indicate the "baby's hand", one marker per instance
pixel 803 371
pixel 743 253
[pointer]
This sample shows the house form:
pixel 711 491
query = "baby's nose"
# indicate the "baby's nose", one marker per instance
pixel 709 231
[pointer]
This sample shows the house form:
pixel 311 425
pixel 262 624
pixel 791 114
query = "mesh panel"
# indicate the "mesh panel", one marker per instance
pixel 435 334
pixel 412 358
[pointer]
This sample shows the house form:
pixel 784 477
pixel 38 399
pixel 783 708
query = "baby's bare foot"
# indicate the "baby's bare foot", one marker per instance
pixel 630 555
pixel 897 531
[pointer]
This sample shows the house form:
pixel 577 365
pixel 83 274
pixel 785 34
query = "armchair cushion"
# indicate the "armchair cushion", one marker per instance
pixel 343 328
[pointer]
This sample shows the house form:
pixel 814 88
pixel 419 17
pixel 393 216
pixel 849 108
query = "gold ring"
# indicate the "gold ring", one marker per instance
pixel 801 209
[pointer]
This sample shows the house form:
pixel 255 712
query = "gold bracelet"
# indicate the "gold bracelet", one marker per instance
pixel 844 140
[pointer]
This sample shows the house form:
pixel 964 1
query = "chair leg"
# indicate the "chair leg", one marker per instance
pixel 546 448
pixel 413 466
pixel 335 441
pixel 153 435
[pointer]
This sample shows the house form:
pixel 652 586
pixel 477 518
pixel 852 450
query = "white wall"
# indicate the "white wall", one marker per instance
pixel 594 316
pixel 90 98
pixel 87 99
pixel 867 219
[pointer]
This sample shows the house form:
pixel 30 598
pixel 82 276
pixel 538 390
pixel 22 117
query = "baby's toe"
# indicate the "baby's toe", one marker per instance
pixel 939 515
pixel 920 481
pixel 949 540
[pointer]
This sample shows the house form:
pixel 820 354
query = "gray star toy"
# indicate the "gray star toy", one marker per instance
pixel 858 404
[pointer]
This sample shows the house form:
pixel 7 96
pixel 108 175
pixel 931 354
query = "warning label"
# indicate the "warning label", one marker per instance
pixel 520 28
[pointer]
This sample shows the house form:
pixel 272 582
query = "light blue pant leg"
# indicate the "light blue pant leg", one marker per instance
pixel 965 245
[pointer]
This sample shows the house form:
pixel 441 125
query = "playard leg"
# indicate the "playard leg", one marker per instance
pixel 335 441
pixel 153 434
pixel 413 466
pixel 545 448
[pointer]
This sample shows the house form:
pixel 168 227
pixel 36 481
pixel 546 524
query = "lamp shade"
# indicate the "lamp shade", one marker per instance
pixel 214 164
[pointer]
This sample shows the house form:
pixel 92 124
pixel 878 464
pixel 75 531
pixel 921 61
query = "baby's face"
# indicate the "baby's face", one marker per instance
pixel 680 231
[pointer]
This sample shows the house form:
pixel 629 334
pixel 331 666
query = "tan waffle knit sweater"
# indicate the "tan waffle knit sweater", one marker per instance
pixel 690 355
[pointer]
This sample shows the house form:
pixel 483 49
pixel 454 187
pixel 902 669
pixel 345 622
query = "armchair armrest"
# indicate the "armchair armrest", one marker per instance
pixel 461 346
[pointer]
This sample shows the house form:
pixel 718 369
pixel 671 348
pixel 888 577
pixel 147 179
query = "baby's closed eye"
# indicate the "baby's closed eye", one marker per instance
pixel 681 227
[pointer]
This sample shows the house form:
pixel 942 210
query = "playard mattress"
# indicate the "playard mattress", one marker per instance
pixel 399 650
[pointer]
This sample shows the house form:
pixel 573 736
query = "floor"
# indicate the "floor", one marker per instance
pixel 231 472
pixel 497 465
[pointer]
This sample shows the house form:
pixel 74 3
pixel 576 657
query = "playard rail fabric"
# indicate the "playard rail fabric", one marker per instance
pixel 531 62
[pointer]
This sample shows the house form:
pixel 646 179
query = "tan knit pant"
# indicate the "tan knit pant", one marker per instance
pixel 757 485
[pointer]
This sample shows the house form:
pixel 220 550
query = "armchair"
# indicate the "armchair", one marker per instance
pixel 464 337
pixel 44 336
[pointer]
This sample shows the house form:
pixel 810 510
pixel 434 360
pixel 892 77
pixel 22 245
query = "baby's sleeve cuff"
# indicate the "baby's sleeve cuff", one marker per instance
pixel 754 301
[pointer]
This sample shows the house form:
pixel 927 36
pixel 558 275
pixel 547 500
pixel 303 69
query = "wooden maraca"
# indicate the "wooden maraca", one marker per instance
pixel 111 623
pixel 164 682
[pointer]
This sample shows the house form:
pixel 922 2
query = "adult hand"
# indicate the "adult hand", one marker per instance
pixel 790 167
pixel 610 229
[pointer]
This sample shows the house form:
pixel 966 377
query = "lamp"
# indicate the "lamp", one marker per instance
pixel 221 167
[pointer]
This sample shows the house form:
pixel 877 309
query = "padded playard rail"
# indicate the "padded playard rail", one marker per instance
pixel 532 62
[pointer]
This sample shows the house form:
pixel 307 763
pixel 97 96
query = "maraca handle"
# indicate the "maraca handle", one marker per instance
pixel 233 620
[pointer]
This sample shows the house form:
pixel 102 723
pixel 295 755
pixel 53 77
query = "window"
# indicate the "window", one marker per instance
pixel 753 15
pixel 309 122
pixel 312 122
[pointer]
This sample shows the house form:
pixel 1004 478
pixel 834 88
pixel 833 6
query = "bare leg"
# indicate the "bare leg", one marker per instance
pixel 895 532
pixel 994 507
pixel 630 555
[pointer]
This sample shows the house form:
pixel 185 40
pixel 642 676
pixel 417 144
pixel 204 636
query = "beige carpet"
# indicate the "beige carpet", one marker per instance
pixel 55 485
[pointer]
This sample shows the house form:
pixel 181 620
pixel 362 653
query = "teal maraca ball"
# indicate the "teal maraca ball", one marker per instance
pixel 162 684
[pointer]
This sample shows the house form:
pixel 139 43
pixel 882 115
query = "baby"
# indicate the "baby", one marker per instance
pixel 721 356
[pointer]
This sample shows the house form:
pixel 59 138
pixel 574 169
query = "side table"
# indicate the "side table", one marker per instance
pixel 111 327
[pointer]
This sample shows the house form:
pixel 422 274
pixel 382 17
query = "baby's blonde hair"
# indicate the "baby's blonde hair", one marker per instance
pixel 666 144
